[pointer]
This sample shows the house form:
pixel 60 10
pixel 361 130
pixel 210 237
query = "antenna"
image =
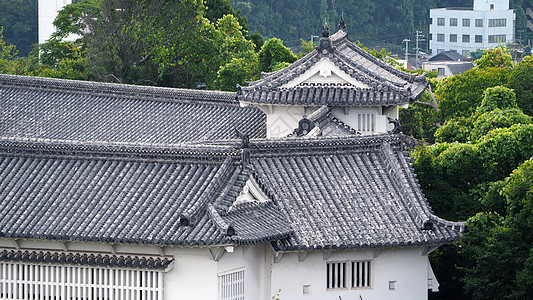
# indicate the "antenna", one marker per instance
pixel 406 41
pixel 419 38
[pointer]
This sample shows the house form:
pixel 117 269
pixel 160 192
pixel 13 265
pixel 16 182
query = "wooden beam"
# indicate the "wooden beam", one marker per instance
pixel 277 256
pixel 302 256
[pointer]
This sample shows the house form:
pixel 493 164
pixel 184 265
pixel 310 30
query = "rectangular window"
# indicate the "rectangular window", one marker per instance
pixel 466 22
pixel 497 38
pixel 453 38
pixel 62 282
pixel 453 21
pixel 336 275
pixel 360 274
pixel 231 285
pixel 366 122
pixel 441 72
pixel 466 38
pixel 479 38
pixel 465 53
pixel 440 21
pixel 497 22
pixel 430 36
pixel 479 22
pixel 440 37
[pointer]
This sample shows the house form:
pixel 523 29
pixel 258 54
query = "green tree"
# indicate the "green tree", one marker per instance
pixel 274 52
pixel 521 80
pixel 494 58
pixel 19 19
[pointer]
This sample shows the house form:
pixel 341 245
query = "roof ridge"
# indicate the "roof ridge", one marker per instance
pixel 116 150
pixel 154 93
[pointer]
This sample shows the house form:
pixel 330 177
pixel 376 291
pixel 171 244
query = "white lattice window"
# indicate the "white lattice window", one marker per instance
pixel 39 281
pixel 354 274
pixel 366 122
pixel 231 285
pixel 360 274
pixel 336 275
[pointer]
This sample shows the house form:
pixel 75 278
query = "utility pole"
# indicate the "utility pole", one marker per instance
pixel 406 41
pixel 419 38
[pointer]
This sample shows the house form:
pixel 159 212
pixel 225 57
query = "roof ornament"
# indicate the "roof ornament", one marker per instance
pixel 245 144
pixel 397 127
pixel 245 139
pixel 342 24
pixel 325 46
pixel 304 126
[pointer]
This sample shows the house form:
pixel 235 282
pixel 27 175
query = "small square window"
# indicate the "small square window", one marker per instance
pixel 466 22
pixel 453 38
pixel 453 21
pixel 466 38
pixel 479 22
pixel 440 37
pixel 392 285
pixel 440 21
pixel 465 53
pixel 307 289
pixel 479 39
pixel 441 72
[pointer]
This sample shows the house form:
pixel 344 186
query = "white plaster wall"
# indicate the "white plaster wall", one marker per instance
pixel 47 12
pixel 256 262
pixel 405 266
pixel 350 119
pixel 283 119
pixel 485 4
pixel 194 275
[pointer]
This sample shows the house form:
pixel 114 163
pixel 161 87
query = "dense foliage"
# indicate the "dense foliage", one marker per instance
pixel 373 22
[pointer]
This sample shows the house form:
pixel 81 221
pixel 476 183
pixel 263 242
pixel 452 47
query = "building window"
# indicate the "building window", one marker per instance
pixel 336 275
pixel 497 22
pixel 40 281
pixel 440 51
pixel 453 38
pixel 430 21
pixel 465 53
pixel 430 36
pixel 366 122
pixel 492 7
pixel 441 72
pixel 440 37
pixel 466 22
pixel 479 22
pixel 466 38
pixel 479 38
pixel 497 38
pixel 453 21
pixel 440 21
pixel 360 274
pixel 231 285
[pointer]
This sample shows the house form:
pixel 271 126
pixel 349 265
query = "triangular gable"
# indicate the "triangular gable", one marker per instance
pixel 251 192
pixel 325 72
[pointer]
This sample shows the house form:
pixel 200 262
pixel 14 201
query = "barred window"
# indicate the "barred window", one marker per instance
pixel 352 274
pixel 336 275
pixel 62 282
pixel 231 285
pixel 360 274
pixel 366 122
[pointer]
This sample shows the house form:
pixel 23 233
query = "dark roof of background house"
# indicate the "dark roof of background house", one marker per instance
pixel 447 56
pixel 460 68
pixel 89 111
pixel 387 85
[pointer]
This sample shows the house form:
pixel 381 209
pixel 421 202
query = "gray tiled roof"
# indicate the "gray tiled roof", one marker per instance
pixel 86 259
pixel 387 85
pixel 325 193
pixel 88 111
pixel 348 193
pixel 460 68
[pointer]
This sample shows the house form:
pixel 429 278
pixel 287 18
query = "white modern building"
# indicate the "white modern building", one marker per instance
pixel 48 10
pixel 488 24
pixel 295 186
